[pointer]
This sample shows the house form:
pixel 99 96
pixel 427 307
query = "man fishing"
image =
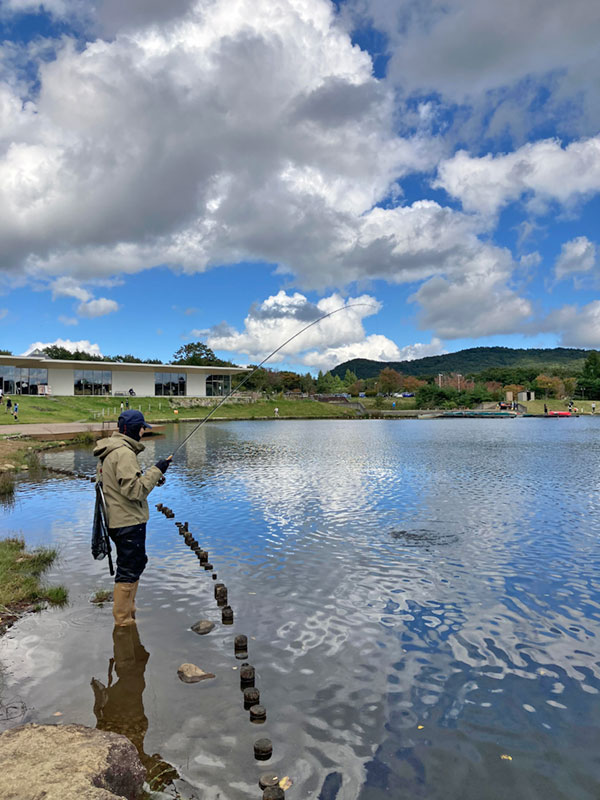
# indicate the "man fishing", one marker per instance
pixel 125 490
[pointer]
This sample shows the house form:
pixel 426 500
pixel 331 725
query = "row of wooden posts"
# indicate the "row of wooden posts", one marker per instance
pixel 263 747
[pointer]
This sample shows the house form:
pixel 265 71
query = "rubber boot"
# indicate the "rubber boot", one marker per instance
pixel 133 608
pixel 123 603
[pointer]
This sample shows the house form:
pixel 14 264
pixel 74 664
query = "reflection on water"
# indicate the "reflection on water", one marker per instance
pixel 119 705
pixel 422 603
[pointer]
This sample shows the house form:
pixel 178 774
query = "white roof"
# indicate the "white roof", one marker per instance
pixel 44 363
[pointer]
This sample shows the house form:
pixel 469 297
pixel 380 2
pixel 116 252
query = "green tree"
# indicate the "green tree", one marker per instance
pixel 339 387
pixel 356 388
pixel 308 383
pixel 412 384
pixel 197 354
pixel 589 382
pixel 591 368
pixel 325 383
pixel 349 378
pixel 570 385
pixel 55 352
pixel 5 353
pixel 389 381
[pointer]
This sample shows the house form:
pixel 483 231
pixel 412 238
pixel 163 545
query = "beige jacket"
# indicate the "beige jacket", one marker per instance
pixel 125 486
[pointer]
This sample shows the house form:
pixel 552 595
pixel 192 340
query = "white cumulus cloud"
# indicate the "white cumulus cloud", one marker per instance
pixel 576 257
pixel 332 341
pixel 375 347
pixel 97 308
pixel 282 316
pixel 510 65
pixel 541 171
pixel 577 326
pixel 67 287
pixel 83 345
pixel 476 304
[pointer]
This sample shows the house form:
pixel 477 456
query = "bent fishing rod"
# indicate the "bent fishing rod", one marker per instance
pixel 247 378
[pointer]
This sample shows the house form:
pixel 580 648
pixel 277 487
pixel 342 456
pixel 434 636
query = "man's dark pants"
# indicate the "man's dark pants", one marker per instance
pixel 130 542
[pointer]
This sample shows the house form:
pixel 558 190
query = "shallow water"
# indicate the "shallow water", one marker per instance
pixel 422 601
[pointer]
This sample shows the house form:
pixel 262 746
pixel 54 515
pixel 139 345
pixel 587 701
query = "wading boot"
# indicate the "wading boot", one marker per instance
pixel 135 588
pixel 123 603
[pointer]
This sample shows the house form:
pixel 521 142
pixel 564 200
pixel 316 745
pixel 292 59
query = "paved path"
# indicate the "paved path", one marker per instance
pixel 55 428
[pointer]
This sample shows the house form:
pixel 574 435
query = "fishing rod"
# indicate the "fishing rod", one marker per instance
pixel 247 378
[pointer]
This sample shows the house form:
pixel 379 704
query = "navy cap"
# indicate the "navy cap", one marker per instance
pixel 133 419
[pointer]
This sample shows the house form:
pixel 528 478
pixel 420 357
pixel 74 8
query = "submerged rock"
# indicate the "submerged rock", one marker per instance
pixel 68 762
pixel 203 626
pixel 190 673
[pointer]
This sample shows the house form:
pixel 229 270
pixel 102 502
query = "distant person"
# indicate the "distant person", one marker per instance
pixel 8 405
pixel 126 404
pixel 122 407
pixel 16 412
pixel 1 395
pixel 593 408
pixel 545 408
pixel 276 411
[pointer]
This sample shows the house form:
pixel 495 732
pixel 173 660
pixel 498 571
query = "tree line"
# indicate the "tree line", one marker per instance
pixel 443 389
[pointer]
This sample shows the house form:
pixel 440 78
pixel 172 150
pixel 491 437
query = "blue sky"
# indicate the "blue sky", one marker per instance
pixel 227 171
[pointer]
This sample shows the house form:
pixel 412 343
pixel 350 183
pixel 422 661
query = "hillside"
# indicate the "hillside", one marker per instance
pixel 473 360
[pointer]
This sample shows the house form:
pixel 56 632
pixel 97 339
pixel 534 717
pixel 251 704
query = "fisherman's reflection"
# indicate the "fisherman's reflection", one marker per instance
pixel 119 707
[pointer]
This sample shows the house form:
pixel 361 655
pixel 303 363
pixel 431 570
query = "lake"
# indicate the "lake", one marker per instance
pixel 421 599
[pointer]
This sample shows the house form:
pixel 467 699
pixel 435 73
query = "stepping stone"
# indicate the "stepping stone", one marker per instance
pixel 203 626
pixel 190 673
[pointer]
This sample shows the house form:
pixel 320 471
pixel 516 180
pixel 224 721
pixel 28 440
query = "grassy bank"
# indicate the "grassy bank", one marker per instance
pixel 21 453
pixel 582 406
pixel 98 409
pixel 20 580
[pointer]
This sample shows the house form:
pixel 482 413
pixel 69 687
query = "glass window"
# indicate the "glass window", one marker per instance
pixel 78 381
pixel 169 383
pixel 92 381
pixel 218 385
pixel 37 378
pixel 7 379
pixel 107 382
pixel 22 380
pixel 97 381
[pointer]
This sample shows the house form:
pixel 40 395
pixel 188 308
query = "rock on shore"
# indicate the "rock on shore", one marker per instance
pixel 68 762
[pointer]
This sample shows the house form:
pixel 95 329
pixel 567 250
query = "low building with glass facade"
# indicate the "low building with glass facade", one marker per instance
pixel 38 375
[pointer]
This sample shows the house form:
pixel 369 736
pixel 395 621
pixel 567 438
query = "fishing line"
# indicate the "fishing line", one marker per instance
pixel 281 346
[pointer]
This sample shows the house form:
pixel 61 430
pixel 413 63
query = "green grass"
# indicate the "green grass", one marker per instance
pixel 582 406
pixel 73 409
pixel 304 409
pixel 385 403
pixel 7 484
pixel 89 409
pixel 20 573
pixel 102 596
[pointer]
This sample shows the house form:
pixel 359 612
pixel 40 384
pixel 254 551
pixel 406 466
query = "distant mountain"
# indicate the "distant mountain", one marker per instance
pixel 473 360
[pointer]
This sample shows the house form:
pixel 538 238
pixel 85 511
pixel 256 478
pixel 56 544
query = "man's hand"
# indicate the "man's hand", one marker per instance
pixel 163 464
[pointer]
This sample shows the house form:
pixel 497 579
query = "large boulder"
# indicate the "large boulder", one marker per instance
pixel 68 762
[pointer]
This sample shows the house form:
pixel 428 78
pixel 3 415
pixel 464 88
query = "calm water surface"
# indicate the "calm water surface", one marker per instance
pixel 422 601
